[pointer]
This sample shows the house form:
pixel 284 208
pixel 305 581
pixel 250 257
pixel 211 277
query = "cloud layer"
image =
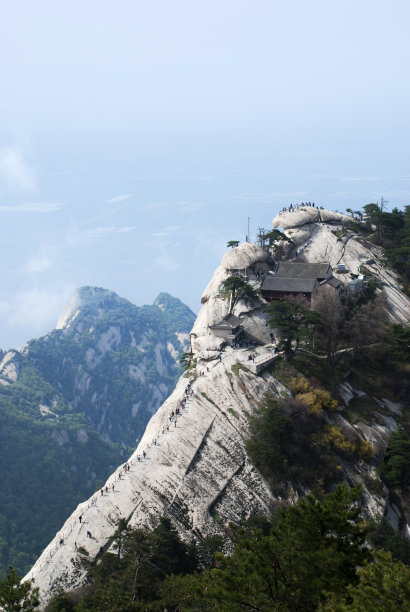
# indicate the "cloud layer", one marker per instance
pixel 15 170
pixel 31 207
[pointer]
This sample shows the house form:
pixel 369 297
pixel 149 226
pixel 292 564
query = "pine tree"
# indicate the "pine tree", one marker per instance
pixel 17 596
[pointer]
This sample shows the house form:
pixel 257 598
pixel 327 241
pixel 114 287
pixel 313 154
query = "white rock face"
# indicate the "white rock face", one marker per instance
pixel 243 256
pixel 71 310
pixel 196 469
pixel 109 339
pixel 81 298
pixel 138 371
pixel 161 368
pixel 213 308
pixel 207 343
pixel 9 367
pixel 308 214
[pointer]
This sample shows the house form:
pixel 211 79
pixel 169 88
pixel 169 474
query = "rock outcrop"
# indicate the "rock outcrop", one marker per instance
pixel 318 236
pixel 10 366
pixel 195 470
pixel 243 256
pixel 191 463
pixel 303 215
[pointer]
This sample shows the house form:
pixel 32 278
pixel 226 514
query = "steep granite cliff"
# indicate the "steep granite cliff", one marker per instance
pixel 191 463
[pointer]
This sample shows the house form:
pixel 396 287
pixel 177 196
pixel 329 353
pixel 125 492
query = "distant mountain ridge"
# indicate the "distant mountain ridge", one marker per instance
pixel 112 360
pixel 72 405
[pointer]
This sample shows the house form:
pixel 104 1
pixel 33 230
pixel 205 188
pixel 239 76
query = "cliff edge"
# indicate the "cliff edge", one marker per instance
pixel 191 464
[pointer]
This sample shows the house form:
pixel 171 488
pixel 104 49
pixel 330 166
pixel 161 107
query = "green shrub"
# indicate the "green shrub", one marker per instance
pixel 232 412
pixel 395 467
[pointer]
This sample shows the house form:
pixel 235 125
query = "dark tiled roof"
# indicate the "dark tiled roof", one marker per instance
pixel 302 270
pixel 230 321
pixel 298 285
pixel 335 282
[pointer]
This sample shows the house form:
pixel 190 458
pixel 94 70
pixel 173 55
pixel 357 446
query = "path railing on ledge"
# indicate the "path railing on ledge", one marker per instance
pixel 260 362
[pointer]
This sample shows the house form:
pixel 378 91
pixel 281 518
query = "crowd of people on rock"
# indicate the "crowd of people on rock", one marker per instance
pixel 294 207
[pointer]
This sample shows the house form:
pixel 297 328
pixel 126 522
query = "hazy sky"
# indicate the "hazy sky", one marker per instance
pixel 136 137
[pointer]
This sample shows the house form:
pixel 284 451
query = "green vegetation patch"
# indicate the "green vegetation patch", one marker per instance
pixel 395 467
pixel 319 543
pixel 374 485
pixel 238 366
pixel 361 409
pixel 292 439
pixel 232 412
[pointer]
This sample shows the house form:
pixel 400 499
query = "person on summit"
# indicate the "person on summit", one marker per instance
pixel 144 454
pixel 80 518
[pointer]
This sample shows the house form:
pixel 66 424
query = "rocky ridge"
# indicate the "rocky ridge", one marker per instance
pixel 72 404
pixel 192 466
pixel 315 232
pixel 111 360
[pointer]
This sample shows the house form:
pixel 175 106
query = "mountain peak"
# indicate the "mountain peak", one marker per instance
pixel 97 299
pixel 175 311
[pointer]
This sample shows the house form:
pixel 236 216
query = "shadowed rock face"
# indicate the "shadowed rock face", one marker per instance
pixel 197 471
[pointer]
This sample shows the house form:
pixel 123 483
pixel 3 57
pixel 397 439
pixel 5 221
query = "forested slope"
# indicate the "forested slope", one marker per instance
pixel 72 405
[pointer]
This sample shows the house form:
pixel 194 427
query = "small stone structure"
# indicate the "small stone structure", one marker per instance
pixel 229 328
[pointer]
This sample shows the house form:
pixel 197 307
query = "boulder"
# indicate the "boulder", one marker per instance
pixel 243 256
pixel 301 216
pixel 207 343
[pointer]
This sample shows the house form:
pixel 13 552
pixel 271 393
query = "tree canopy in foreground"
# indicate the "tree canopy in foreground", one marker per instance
pixel 310 556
